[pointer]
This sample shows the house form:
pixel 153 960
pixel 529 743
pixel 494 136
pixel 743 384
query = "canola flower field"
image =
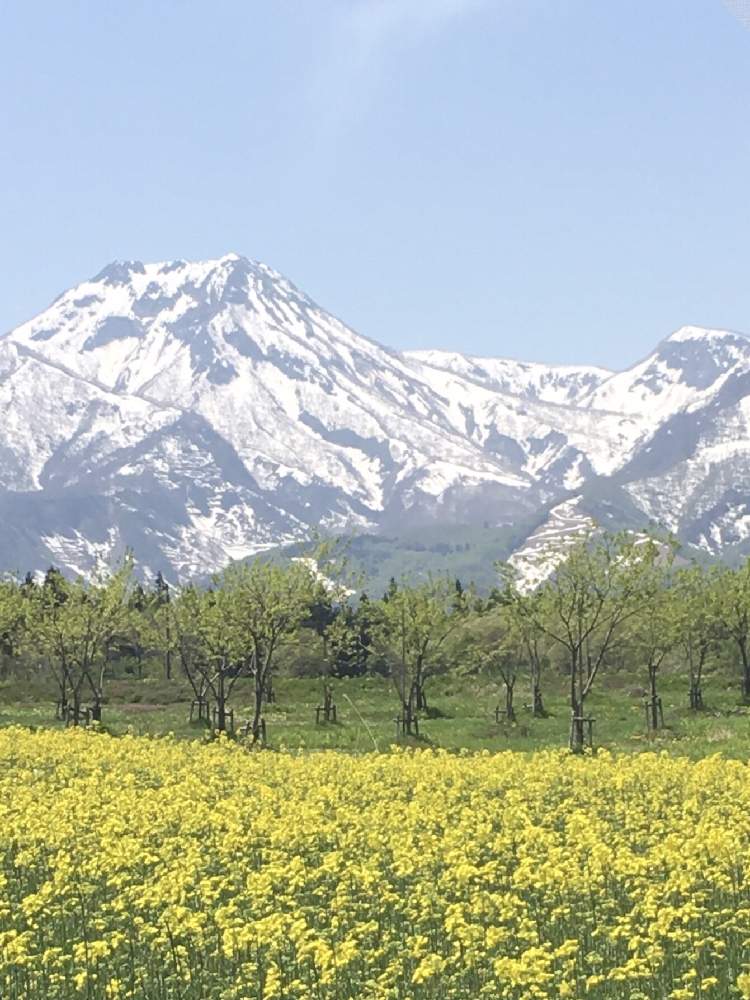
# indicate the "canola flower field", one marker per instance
pixel 151 868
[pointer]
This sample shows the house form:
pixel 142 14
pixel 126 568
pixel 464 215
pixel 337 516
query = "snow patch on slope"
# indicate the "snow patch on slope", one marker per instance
pixel 546 548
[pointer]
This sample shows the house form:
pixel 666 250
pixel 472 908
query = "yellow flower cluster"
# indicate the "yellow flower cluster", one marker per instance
pixel 161 870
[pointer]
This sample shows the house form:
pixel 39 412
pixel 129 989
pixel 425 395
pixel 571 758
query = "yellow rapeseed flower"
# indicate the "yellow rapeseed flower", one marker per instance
pixel 137 868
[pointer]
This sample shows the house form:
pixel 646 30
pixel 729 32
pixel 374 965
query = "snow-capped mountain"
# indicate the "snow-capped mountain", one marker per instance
pixel 200 412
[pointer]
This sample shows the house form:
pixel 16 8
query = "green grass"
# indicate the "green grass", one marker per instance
pixel 461 713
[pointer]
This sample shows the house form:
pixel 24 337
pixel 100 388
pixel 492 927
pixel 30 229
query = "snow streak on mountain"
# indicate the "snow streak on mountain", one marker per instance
pixel 201 412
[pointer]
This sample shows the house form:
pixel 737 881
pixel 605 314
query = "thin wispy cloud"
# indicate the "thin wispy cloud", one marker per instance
pixel 740 9
pixel 366 39
pixel 373 25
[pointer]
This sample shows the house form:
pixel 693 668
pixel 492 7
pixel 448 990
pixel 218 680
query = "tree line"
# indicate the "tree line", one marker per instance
pixel 615 600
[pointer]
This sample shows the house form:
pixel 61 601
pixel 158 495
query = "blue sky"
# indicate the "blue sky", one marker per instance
pixel 554 181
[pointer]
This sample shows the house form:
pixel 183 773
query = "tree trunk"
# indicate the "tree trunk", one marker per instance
pixel 576 707
pixel 74 717
pixel 537 703
pixel 696 675
pixel 168 659
pixel 408 717
pixel 329 709
pixel 64 685
pixel 577 736
pixel 63 696
pixel 696 696
pixel 653 707
pixel 745 671
pixel 221 703
pixel 510 713
pixel 420 698
pixel 258 707
pixel 408 721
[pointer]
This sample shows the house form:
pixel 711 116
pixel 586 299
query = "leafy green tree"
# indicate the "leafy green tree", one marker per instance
pixel 73 624
pixel 321 615
pixel 521 610
pixel 498 655
pixel 415 622
pixel 12 621
pixel 654 632
pixel 209 644
pixel 161 620
pixel 332 614
pixel 268 603
pixel 699 623
pixel 589 598
pixel 175 628
pixel 350 637
pixel 733 596
pixel 135 640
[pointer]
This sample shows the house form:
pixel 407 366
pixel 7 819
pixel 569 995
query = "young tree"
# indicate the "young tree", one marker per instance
pixel 653 633
pixel 521 609
pixel 209 644
pixel 12 620
pixel 698 623
pixel 175 626
pixel 45 631
pixel 500 660
pixel 733 593
pixel 162 620
pixel 364 622
pixel 73 624
pixel 590 596
pixel 494 650
pixel 332 614
pixel 269 604
pixel 136 638
pixel 415 622
pixel 321 615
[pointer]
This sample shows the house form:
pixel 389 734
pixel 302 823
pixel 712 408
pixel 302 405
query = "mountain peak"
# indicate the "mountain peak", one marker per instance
pixel 702 334
pixel 692 362
pixel 166 327
pixel 699 356
pixel 119 272
pixel 122 272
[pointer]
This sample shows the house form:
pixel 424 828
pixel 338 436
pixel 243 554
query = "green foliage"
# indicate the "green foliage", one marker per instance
pixel 73 625
pixel 698 601
pixel 615 603
pixel 415 623
pixel 733 611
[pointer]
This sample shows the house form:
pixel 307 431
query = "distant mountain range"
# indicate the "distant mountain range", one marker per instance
pixel 201 412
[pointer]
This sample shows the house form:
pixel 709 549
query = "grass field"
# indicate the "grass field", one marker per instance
pixel 461 714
